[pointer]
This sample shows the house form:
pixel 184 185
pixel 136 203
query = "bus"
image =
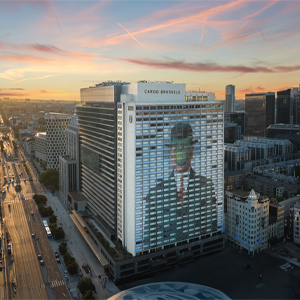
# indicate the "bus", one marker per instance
pixel 45 224
pixel 49 235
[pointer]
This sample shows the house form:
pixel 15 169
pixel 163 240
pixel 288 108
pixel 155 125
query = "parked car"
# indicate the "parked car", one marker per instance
pixel 42 263
pixel 58 260
pixel 33 235
pixel 40 257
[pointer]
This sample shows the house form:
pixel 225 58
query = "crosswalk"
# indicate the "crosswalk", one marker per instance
pixel 57 283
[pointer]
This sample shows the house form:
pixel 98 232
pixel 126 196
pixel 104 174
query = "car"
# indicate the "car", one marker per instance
pixel 58 260
pixel 56 255
pixel 42 263
pixel 32 213
pixel 33 235
pixel 8 204
pixel 40 257
pixel 8 186
pixel 24 180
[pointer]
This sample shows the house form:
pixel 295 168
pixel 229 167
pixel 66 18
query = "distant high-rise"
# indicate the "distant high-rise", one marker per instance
pixel 285 103
pixel 230 98
pixel 259 113
pixel 56 137
pixel 295 93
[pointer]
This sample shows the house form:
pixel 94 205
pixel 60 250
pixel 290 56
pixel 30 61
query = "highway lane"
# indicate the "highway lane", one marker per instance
pixel 25 270
pixel 52 275
pixel 33 281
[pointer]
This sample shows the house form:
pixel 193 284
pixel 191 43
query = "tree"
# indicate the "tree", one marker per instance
pixel 88 295
pixel 58 233
pixel 72 268
pixel 40 199
pixel 85 284
pixel 62 248
pixel 50 179
pixel 53 218
pixel 68 259
pixel 279 198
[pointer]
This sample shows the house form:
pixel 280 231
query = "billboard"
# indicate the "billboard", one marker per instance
pixel 179 173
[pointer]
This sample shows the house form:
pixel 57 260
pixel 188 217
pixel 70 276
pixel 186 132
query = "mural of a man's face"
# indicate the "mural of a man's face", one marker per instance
pixel 181 146
pixel 181 156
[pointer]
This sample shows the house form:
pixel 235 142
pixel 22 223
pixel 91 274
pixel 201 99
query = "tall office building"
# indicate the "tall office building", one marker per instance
pixel 152 165
pixel 229 98
pixel 259 113
pixel 97 118
pixel 69 163
pixel 56 137
pixel 170 167
pixel 285 104
pixel 295 93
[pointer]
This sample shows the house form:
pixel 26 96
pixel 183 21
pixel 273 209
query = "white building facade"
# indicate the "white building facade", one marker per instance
pixel 154 210
pixel 247 221
pixel 296 221
pixel 41 146
pixel 56 137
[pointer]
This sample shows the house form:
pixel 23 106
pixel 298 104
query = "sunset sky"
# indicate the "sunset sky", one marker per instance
pixel 51 49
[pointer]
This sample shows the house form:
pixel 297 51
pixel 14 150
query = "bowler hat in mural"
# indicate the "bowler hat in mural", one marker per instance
pixel 182 133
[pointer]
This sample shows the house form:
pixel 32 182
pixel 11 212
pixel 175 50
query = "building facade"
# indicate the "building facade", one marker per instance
pixel 259 113
pixel 41 146
pixel 152 215
pixel 285 105
pixel 97 119
pixel 69 163
pixel 246 221
pixel 56 137
pixel 229 99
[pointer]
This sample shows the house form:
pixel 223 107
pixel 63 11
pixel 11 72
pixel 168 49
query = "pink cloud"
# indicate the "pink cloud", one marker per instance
pixel 208 67
pixel 13 95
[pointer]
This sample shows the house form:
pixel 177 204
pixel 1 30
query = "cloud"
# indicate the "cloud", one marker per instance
pixel 208 67
pixel 12 89
pixel 13 95
pixel 48 49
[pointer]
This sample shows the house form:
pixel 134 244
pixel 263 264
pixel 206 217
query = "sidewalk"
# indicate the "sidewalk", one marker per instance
pixel 81 251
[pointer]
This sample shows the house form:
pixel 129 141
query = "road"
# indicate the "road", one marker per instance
pixel 25 277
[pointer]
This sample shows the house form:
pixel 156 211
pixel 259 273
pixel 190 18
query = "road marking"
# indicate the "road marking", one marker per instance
pixel 57 283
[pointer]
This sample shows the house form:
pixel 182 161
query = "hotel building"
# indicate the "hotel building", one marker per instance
pixel 134 141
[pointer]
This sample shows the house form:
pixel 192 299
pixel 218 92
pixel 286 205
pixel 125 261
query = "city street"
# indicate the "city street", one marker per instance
pixel 26 277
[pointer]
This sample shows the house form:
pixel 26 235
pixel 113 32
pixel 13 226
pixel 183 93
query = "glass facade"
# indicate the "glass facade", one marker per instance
pixel 178 172
pixel 284 107
pixel 259 113
pixel 97 123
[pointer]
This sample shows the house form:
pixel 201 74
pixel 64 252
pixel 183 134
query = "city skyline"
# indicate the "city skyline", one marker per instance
pixel 51 49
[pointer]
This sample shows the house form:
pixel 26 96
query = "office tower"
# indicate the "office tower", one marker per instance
pixel 170 168
pixel 140 144
pixel 97 119
pixel 259 113
pixel 295 93
pixel 285 104
pixel 56 137
pixel 237 117
pixel 69 163
pixel 229 98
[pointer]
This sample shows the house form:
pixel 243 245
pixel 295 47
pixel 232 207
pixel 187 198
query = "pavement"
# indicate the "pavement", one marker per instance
pixel 78 247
